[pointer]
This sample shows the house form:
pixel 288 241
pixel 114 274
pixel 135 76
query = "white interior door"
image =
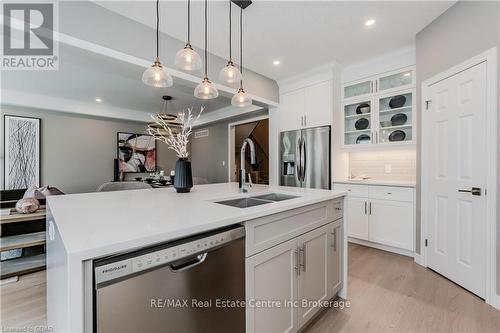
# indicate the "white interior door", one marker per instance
pixel 455 160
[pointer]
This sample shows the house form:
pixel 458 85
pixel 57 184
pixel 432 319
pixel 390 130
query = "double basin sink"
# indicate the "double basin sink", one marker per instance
pixel 257 200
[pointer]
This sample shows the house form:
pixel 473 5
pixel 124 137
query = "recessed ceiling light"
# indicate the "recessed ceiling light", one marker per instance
pixel 370 22
pixel 98 99
pixel 276 62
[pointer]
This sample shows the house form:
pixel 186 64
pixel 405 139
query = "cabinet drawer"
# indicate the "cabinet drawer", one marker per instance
pixel 391 193
pixel 268 231
pixel 338 209
pixel 354 190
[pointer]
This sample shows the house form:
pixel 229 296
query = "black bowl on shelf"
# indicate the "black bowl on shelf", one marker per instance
pixel 363 138
pixel 397 135
pixel 363 108
pixel 399 119
pixel 397 102
pixel 361 124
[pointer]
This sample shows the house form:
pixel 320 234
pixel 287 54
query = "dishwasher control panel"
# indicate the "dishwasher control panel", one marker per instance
pixel 160 257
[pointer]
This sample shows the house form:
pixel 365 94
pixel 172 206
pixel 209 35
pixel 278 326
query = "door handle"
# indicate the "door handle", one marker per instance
pixel 298 159
pixel 302 263
pixel 304 157
pixel 370 208
pixel 473 191
pixel 199 259
pixel 365 208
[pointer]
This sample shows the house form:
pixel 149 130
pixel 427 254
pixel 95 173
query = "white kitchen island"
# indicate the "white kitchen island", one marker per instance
pixel 84 227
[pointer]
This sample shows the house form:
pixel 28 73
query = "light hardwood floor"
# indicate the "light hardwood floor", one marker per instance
pixel 387 293
pixel 390 293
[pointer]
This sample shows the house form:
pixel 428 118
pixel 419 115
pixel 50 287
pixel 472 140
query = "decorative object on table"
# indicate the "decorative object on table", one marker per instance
pixel 139 179
pixel 21 152
pixel 363 108
pixel 385 123
pixel 116 172
pixel 397 102
pixel 136 152
pixel 172 176
pixel 361 124
pixel 363 138
pixel 149 180
pixel 397 135
pixel 178 142
pixel 27 205
pixel 399 119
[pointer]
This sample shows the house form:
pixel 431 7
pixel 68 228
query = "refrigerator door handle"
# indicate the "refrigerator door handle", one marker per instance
pixel 298 158
pixel 304 159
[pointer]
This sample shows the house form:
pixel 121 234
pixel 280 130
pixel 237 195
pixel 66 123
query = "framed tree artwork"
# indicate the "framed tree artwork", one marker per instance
pixel 21 152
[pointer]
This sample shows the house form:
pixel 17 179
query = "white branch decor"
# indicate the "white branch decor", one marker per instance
pixel 175 135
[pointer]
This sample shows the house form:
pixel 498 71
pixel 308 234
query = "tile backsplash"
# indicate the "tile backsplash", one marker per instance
pixel 397 165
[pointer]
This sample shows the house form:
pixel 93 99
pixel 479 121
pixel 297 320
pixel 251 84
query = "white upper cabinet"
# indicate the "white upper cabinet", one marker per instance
pixel 292 105
pixel 311 106
pixel 318 104
pixel 381 113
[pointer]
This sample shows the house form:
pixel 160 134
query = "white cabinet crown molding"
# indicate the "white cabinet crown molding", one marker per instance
pixel 328 72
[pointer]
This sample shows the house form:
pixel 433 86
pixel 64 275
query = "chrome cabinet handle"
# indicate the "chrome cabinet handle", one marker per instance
pixel 370 208
pixel 473 191
pixel 376 85
pixel 365 208
pixel 199 259
pixel 296 259
pixel 302 260
pixel 371 86
pixel 335 240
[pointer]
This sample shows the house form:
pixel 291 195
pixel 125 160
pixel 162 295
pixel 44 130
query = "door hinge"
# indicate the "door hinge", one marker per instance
pixel 427 104
pixel 426 242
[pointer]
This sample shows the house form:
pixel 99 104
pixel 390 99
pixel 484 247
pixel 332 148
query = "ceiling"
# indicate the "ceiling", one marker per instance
pixel 301 34
pixel 84 76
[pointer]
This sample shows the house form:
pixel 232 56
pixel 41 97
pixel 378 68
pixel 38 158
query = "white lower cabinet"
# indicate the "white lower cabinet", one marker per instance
pixel 382 215
pixel 305 269
pixel 391 223
pixel 357 212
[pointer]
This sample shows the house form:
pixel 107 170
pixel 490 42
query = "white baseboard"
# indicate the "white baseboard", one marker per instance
pixel 382 247
pixel 419 259
pixel 494 301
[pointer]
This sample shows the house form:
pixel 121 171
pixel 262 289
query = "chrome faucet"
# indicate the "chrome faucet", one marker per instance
pixel 243 183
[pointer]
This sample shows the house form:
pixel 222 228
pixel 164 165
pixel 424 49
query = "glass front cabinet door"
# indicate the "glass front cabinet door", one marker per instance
pixel 398 80
pixel 357 89
pixel 395 118
pixel 358 123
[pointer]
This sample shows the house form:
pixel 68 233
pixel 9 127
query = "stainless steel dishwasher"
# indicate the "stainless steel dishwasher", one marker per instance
pixel 191 285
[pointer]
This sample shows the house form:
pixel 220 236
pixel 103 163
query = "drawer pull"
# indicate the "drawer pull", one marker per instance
pixel 337 208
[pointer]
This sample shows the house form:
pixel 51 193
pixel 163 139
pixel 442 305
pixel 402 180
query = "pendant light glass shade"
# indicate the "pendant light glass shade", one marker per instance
pixel 157 76
pixel 188 59
pixel 206 90
pixel 241 99
pixel 230 73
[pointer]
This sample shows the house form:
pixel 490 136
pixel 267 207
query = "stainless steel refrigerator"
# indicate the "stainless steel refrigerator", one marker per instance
pixel 305 158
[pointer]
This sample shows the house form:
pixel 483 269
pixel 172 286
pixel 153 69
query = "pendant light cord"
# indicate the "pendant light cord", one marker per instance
pixel 241 46
pixel 206 34
pixel 230 34
pixel 189 23
pixel 157 28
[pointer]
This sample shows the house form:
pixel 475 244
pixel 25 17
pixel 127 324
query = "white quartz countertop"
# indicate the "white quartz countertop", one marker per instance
pixel 399 183
pixel 98 224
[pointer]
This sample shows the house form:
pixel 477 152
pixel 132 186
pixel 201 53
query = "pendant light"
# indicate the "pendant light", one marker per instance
pixel 241 99
pixel 157 75
pixel 230 73
pixel 206 89
pixel 187 58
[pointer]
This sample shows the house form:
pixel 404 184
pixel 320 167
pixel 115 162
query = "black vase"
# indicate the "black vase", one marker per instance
pixel 183 180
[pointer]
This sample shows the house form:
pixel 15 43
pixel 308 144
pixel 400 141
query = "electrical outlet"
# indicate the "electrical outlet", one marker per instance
pixel 388 168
